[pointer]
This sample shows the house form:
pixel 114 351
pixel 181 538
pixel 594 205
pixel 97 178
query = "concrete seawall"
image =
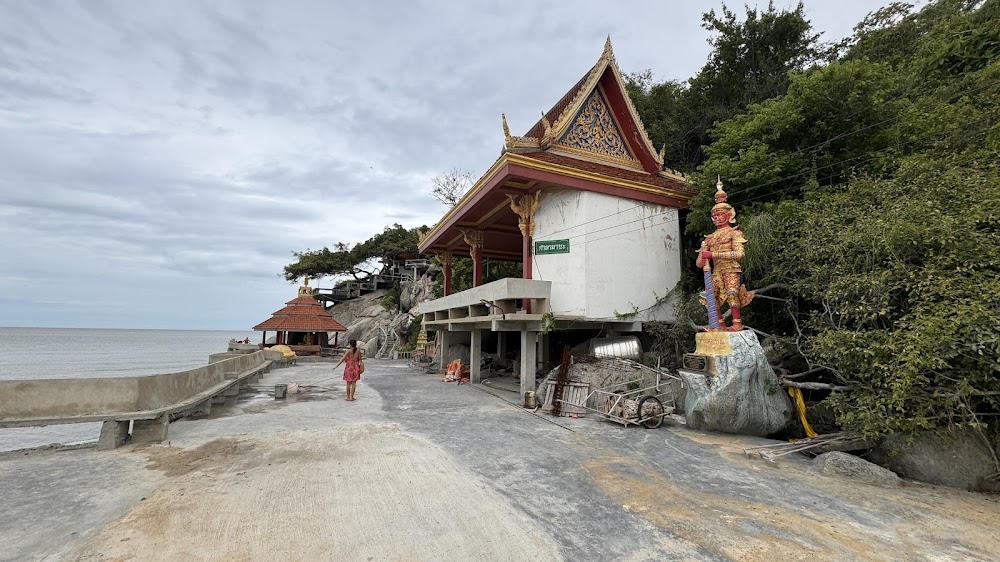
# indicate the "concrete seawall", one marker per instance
pixel 66 400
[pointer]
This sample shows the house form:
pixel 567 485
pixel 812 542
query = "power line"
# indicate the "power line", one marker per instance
pixel 585 242
pixel 951 99
pixel 654 215
pixel 867 157
pixel 597 219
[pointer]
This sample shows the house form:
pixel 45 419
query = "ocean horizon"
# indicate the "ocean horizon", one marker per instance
pixel 50 353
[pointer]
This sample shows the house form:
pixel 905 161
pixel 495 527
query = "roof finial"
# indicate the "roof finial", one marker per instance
pixel 304 290
pixel 547 136
pixel 607 48
pixel 720 196
pixel 506 129
pixel 662 153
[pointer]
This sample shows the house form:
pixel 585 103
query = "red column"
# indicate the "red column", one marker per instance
pixel 526 251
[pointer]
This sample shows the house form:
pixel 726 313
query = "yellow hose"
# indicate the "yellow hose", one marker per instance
pixel 796 395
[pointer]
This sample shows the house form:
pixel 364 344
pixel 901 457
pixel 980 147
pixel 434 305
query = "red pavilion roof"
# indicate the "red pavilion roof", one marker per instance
pixel 301 314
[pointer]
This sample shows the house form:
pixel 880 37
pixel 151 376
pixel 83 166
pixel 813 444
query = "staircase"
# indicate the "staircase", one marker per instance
pixel 398 272
pixel 389 343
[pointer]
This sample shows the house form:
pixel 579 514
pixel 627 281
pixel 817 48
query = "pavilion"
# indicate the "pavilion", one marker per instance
pixel 584 203
pixel 303 324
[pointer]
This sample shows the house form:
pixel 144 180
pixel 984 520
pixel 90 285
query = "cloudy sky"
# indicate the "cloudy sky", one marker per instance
pixel 160 161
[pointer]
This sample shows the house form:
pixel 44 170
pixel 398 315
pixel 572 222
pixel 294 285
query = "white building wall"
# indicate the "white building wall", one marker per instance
pixel 632 257
pixel 624 254
pixel 559 216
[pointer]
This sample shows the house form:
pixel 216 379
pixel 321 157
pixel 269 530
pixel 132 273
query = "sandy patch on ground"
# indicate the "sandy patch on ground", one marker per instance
pixel 367 492
pixel 940 524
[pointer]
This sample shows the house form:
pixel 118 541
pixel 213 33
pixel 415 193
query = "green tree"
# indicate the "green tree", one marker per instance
pixel 359 261
pixel 897 279
pixel 749 63
pixel 833 122
pixel 665 116
pixel 869 193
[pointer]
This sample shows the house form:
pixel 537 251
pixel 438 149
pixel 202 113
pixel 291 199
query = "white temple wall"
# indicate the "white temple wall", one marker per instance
pixel 559 217
pixel 624 254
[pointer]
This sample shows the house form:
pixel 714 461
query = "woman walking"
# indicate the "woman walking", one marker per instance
pixel 355 365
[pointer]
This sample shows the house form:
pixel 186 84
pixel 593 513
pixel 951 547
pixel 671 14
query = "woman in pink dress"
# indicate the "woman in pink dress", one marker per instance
pixel 352 372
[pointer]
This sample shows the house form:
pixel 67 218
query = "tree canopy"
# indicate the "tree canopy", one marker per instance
pixel 451 186
pixel 865 174
pixel 870 191
pixel 750 62
pixel 357 261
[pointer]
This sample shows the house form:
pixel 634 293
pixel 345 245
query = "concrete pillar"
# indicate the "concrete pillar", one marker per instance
pixel 528 360
pixel 202 409
pixel 150 431
pixel 442 340
pixel 231 394
pixel 475 355
pixel 113 434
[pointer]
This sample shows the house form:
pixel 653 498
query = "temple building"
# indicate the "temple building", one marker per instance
pixel 303 324
pixel 584 203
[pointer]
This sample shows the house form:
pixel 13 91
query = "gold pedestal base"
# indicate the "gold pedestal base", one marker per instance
pixel 713 343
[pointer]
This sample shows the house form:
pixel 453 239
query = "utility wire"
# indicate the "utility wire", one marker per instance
pixel 870 157
pixel 951 99
pixel 864 158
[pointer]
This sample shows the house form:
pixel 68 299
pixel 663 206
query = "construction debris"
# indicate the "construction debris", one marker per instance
pixel 813 445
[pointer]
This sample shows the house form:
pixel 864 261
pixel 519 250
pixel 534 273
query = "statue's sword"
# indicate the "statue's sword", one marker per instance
pixel 711 303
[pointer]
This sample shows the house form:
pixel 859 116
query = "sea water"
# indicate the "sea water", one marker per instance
pixel 50 353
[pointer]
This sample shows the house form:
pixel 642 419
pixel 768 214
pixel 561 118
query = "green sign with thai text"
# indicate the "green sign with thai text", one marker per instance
pixel 551 247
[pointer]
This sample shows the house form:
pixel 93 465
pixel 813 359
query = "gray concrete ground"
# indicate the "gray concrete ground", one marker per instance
pixel 417 469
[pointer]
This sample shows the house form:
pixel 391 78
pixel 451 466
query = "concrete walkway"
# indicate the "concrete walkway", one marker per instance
pixel 416 469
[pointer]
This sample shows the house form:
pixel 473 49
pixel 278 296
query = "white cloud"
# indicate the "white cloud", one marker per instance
pixel 160 161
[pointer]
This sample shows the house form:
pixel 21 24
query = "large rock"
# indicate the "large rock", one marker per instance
pixel 363 316
pixel 739 392
pixel 368 348
pixel 958 458
pixel 856 468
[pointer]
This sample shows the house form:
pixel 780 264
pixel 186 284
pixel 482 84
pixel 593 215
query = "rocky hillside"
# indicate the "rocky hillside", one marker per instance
pixel 363 316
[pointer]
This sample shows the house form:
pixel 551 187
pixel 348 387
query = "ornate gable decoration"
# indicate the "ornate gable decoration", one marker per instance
pixel 553 128
pixel 594 129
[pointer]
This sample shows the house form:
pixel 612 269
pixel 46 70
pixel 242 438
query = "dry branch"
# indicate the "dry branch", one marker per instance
pixel 813 385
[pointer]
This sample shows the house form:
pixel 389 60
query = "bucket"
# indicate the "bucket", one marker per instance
pixel 529 400
pixel 280 390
